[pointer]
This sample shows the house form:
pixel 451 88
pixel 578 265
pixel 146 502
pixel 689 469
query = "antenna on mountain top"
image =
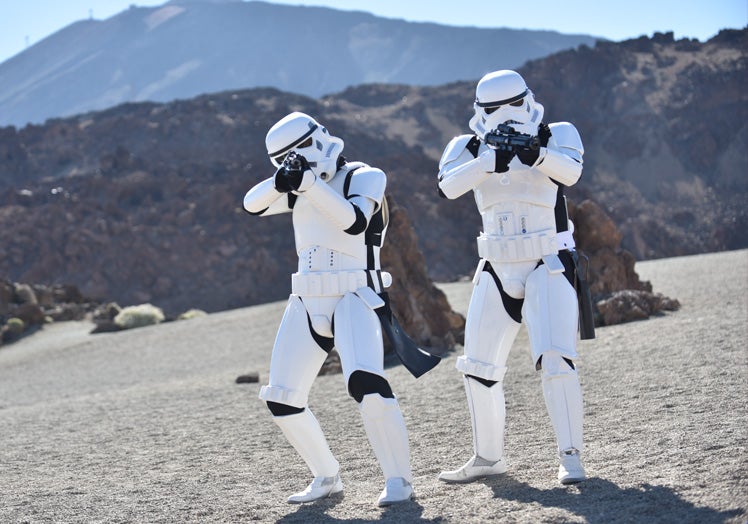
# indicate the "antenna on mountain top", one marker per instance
pixel 90 14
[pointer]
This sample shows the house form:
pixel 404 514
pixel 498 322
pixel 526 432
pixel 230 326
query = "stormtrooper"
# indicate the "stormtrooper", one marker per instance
pixel 526 269
pixel 340 218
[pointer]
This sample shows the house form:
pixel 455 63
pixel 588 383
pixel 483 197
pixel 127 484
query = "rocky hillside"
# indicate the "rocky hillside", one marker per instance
pixel 142 202
pixel 185 48
pixel 664 128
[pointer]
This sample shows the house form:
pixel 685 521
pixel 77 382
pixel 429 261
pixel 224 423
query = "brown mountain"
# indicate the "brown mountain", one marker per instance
pixel 142 202
pixel 664 128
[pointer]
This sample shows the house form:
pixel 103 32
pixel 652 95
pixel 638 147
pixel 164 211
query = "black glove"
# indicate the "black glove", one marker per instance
pixel 529 156
pixel 544 133
pixel 289 176
pixel 502 161
pixel 294 178
pixel 281 182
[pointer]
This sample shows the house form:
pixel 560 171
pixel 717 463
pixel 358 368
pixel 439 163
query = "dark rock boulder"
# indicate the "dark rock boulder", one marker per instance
pixel 421 308
pixel 618 293
pixel 629 305
pixel 36 304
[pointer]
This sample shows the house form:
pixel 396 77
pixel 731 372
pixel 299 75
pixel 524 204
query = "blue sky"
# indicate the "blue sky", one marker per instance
pixel 26 22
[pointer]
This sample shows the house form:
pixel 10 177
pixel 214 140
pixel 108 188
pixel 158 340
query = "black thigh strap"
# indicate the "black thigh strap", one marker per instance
pixel 513 306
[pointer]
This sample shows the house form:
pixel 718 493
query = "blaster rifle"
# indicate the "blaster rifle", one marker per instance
pixel 505 138
pixel 295 162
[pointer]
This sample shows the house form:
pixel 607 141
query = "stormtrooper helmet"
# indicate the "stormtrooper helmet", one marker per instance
pixel 503 97
pixel 301 133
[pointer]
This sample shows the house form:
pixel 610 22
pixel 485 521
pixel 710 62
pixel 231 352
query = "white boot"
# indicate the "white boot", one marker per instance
pixel 570 471
pixel 385 428
pixel 563 399
pixel 320 488
pixel 487 414
pixel 396 489
pixel 477 467
pixel 304 433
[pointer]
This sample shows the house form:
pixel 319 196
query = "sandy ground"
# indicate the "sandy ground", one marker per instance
pixel 148 425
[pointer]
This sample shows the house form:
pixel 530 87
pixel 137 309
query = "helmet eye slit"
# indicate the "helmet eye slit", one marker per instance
pixel 516 103
pixel 306 143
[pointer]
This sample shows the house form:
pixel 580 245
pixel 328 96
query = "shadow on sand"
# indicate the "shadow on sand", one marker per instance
pixel 600 501
pixel 317 513
pixel 596 500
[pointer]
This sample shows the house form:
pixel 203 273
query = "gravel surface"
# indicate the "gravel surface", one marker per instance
pixel 148 425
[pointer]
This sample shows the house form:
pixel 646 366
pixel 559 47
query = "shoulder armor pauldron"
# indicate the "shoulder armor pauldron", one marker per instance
pixel 565 137
pixel 457 145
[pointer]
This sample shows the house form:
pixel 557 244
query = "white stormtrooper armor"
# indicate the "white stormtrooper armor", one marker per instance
pixel 524 270
pixel 340 219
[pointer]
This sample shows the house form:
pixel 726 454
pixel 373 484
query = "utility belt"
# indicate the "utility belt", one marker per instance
pixel 336 283
pixel 531 246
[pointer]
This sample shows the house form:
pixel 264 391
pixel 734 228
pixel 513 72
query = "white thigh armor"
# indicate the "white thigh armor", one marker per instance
pixel 489 331
pixel 296 357
pixel 358 333
pixel 550 312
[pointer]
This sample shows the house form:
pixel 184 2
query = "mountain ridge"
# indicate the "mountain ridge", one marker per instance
pixel 183 49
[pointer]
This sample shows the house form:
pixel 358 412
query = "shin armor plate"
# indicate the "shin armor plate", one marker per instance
pixel 488 416
pixel 305 435
pixel 563 398
pixel 385 428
